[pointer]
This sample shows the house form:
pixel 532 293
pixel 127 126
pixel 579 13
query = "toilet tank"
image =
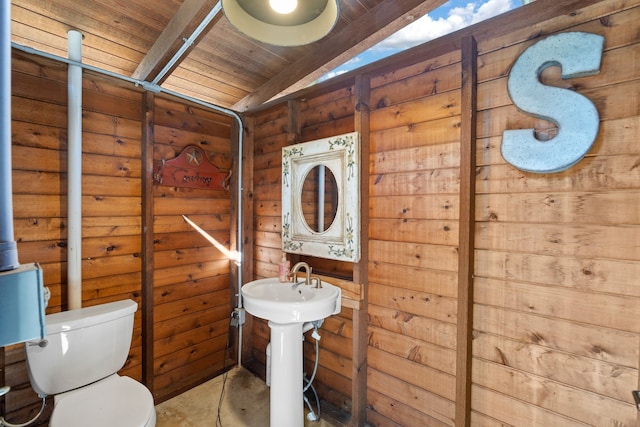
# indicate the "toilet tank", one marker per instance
pixel 83 346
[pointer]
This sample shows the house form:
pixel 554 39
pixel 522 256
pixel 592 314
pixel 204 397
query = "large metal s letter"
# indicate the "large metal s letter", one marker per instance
pixel 578 54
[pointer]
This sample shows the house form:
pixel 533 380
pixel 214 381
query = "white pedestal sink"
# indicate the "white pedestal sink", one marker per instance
pixel 287 307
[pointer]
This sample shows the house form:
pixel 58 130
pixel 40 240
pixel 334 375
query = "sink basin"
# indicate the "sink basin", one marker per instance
pixel 283 303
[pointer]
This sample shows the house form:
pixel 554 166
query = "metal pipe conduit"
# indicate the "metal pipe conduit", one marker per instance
pixel 8 250
pixel 188 42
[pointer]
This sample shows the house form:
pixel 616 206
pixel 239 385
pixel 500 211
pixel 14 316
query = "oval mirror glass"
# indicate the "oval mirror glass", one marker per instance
pixel 319 198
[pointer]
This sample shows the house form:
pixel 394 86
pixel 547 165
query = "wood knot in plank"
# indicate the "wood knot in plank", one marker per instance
pixel 383 102
pixel 502 358
pixel 587 272
pixel 536 338
pixel 414 354
pixel 598 350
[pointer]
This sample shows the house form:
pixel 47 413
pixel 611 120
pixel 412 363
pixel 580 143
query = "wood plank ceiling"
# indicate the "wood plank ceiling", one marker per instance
pixel 138 38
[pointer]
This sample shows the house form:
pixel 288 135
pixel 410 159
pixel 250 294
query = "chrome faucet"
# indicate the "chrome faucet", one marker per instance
pixel 298 266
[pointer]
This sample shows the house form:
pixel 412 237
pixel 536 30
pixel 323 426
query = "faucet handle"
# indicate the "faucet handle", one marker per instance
pixel 317 280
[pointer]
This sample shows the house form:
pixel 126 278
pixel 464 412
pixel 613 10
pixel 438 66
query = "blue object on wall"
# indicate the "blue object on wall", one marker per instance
pixel 578 54
pixel 22 316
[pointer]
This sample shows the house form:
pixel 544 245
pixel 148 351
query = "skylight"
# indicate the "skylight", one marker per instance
pixel 451 16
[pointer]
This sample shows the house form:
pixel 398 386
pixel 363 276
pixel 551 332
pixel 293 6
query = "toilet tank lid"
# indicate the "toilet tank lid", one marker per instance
pixel 84 317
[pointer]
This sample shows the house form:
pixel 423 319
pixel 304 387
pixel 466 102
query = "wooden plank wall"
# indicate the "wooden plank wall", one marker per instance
pixel 269 135
pixel 555 294
pixel 191 280
pixel 275 128
pixel 414 209
pixel 558 255
pixel 322 117
pixel 191 277
pixel 111 198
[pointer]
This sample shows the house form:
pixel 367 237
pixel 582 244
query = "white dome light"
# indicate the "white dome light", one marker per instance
pixel 283 22
pixel 283 7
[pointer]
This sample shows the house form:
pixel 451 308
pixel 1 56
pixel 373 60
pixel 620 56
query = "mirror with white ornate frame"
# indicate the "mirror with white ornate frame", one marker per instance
pixel 317 165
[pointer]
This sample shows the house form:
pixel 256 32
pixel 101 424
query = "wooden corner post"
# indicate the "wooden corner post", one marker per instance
pixel 360 271
pixel 466 236
pixel 148 112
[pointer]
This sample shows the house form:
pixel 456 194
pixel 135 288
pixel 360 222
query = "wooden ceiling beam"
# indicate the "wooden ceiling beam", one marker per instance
pixel 371 28
pixel 181 26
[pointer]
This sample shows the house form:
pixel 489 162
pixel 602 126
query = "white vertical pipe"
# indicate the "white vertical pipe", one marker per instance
pixel 74 172
pixel 8 251
pixel 321 172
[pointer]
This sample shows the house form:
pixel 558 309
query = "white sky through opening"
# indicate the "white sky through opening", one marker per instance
pixel 451 16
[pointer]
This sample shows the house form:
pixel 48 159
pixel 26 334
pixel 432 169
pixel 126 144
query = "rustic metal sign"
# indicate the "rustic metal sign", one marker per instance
pixel 191 168
pixel 578 54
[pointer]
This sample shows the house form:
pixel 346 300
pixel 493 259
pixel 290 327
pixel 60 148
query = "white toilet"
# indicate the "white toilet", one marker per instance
pixel 79 364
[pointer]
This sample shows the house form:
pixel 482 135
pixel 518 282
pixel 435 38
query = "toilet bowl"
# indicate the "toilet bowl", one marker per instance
pixel 78 363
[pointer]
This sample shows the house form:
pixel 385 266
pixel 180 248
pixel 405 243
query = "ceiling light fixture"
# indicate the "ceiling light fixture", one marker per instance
pixel 283 22
pixel 283 7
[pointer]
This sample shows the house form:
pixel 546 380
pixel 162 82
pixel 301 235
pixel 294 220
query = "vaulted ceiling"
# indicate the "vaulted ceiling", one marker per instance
pixel 158 41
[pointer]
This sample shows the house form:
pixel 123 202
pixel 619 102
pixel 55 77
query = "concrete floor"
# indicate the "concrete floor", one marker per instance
pixel 245 404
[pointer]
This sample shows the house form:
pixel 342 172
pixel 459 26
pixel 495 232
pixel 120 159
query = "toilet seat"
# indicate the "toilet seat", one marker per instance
pixel 113 401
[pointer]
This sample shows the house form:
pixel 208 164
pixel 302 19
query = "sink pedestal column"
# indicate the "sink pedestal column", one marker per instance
pixel 286 402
